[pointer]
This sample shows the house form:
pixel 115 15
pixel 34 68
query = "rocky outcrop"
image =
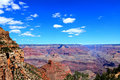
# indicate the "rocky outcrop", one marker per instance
pixel 12 66
pixel 5 40
pixel 10 55
pixel 62 47
pixel 54 71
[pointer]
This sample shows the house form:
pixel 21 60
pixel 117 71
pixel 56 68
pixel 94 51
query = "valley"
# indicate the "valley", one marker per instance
pixel 91 58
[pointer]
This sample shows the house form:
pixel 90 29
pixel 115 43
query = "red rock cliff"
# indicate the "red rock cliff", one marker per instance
pixel 12 66
pixel 54 71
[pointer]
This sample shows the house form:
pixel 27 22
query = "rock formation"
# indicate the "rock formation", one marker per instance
pixel 54 71
pixel 12 66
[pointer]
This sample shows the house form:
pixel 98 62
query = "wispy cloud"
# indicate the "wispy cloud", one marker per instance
pixel 8 9
pixel 9 3
pixel 68 20
pixel 28 33
pixel 56 15
pixel 1 11
pixel 29 18
pixel 15 22
pixel 37 26
pixel 16 27
pixel 31 29
pixel 83 27
pixel 10 21
pixel 22 3
pixel 25 6
pixel 57 26
pixel 70 36
pixel 32 16
pixel 15 31
pixel 15 6
pixel 59 15
pixel 74 31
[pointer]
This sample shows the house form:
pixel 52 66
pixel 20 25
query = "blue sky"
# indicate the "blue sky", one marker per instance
pixel 61 21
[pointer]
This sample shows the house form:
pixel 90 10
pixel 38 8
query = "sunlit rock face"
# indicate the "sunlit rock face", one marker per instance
pixel 12 66
pixel 54 71
pixel 5 40
pixel 11 56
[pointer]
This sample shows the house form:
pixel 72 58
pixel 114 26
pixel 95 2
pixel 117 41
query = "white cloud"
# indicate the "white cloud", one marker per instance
pixel 75 31
pixel 57 26
pixel 28 34
pixel 16 27
pixel 14 22
pixel 4 20
pixel 22 3
pixel 56 15
pixel 29 18
pixel 25 6
pixel 38 35
pixel 11 21
pixel 9 3
pixel 70 36
pixel 15 6
pixel 4 3
pixel 15 31
pixel 76 34
pixel 1 11
pixel 31 29
pixel 34 15
pixel 68 20
pixel 37 26
pixel 83 26
pixel 8 9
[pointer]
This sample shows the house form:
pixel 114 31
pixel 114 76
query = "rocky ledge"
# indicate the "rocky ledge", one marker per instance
pixel 12 66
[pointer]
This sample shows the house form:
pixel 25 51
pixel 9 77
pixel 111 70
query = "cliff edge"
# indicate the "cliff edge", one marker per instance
pixel 12 66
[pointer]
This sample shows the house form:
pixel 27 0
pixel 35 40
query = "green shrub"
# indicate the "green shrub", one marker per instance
pixel 2 42
pixel 5 49
pixel 109 75
pixel 76 76
pixel 14 43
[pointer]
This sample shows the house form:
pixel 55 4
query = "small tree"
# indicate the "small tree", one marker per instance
pixel 76 76
pixel 5 49
pixel 109 75
pixel 2 42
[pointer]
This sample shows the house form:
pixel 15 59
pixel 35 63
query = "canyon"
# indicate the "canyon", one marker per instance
pixel 91 58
